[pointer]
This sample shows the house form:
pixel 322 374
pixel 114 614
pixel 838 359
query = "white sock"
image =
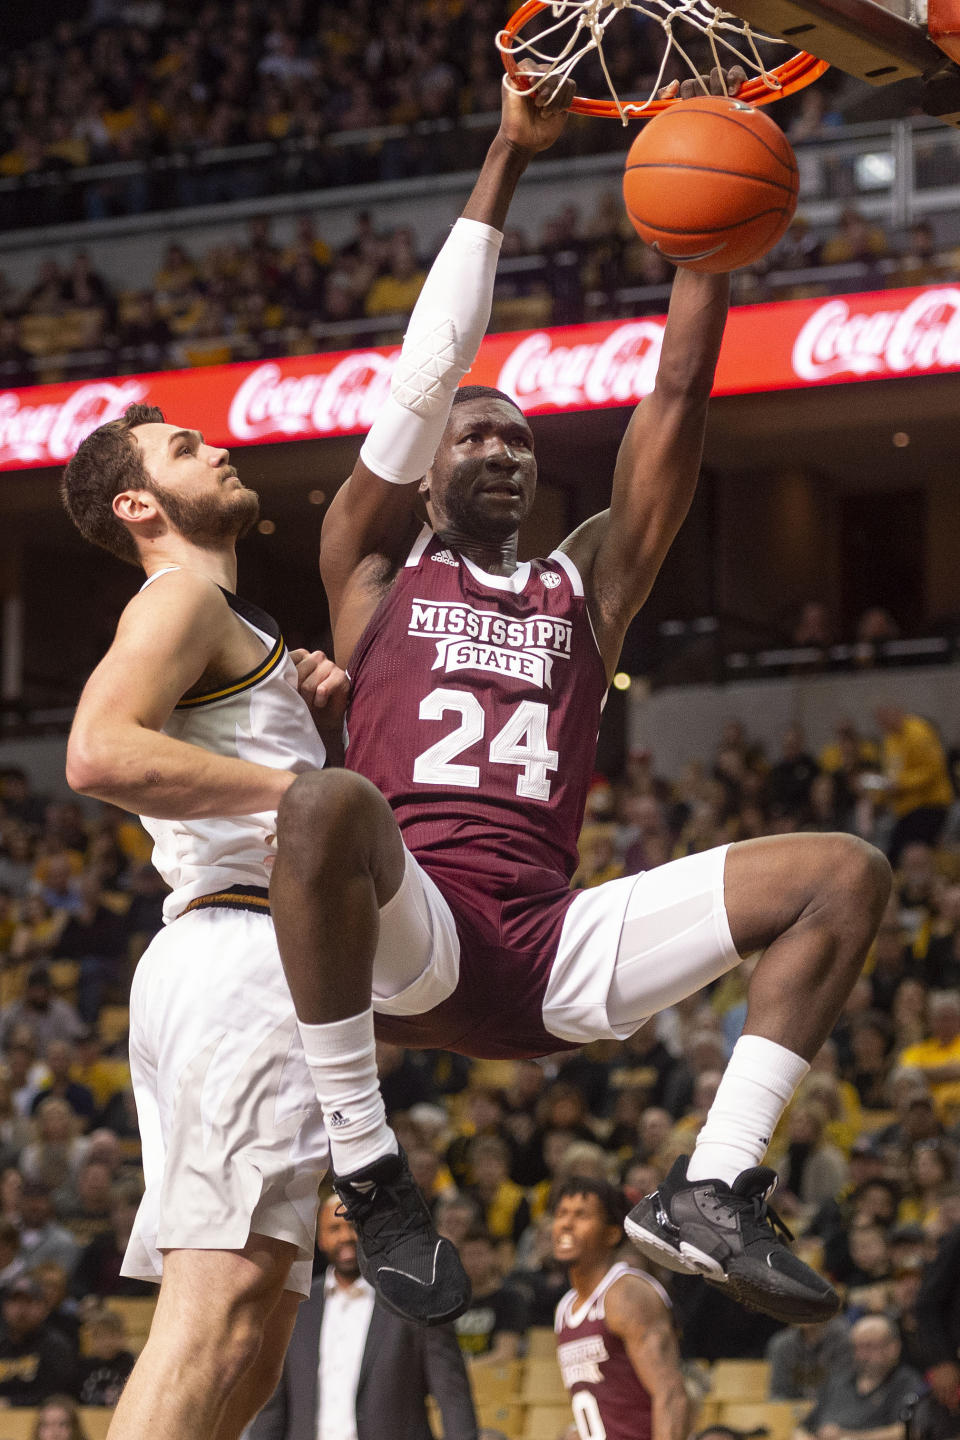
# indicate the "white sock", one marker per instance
pixel 756 1088
pixel 343 1063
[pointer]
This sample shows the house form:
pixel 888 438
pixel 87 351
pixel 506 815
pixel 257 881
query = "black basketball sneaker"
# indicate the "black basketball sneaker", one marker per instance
pixel 417 1274
pixel 731 1236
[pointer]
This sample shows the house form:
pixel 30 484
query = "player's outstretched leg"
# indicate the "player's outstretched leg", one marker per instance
pixel 340 860
pixel 812 904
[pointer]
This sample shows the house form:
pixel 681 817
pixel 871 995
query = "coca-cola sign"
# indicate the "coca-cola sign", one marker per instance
pixel 580 367
pixel 43 432
pixel 840 341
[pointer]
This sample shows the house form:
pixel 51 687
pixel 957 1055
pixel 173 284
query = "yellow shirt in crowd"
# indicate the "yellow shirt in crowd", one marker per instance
pixel 914 762
pixel 927 1055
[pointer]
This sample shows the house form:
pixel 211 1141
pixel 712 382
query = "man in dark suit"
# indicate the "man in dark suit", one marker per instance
pixel 354 1370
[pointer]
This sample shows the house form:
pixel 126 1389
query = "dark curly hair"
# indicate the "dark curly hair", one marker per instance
pixel 107 462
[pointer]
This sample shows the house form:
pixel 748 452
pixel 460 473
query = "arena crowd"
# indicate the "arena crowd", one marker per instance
pixel 867 1153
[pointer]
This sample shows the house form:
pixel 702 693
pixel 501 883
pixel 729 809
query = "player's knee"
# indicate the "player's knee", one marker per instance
pixel 859 875
pixel 324 811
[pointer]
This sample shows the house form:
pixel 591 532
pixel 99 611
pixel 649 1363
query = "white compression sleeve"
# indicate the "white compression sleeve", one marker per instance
pixel 441 343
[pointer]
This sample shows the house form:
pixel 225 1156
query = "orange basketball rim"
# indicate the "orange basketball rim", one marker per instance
pixel 774 84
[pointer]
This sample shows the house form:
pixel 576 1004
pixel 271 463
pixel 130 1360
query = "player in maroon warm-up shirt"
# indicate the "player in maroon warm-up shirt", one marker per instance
pixel 437 896
pixel 616 1342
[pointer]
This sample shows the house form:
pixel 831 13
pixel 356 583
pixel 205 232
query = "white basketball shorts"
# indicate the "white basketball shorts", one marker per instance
pixel 233 1140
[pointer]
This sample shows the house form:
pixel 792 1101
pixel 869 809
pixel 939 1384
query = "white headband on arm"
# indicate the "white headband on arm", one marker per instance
pixel 441 343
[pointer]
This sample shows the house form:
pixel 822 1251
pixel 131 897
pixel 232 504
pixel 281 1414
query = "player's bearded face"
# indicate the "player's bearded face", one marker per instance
pixel 225 514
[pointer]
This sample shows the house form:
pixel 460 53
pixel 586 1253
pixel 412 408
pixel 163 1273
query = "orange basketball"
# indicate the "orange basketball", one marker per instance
pixel 711 183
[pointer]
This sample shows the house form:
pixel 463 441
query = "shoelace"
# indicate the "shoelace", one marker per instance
pixel 762 1211
pixel 380 1225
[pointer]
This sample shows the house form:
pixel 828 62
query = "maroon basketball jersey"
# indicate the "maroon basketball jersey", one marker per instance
pixel 609 1403
pixel 475 708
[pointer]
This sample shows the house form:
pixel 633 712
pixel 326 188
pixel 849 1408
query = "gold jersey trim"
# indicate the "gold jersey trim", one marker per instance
pixel 253 677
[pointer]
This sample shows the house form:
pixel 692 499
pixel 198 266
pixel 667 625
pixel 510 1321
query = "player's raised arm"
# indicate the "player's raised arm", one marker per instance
pixel 657 465
pixel 372 515
pixel 169 636
pixel 635 1312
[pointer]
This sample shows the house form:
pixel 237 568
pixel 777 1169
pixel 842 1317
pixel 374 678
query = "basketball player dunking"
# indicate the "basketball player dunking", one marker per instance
pixel 616 1342
pixel 193 720
pixel 478 684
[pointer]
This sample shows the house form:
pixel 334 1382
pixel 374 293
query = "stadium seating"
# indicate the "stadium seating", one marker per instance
pixel 20 1424
pixel 137 1313
pixel 740 1380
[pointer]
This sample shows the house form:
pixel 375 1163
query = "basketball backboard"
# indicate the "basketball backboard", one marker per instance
pixel 877 42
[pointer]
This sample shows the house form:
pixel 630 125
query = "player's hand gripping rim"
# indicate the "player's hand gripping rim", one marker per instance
pixel 727 82
pixel 534 118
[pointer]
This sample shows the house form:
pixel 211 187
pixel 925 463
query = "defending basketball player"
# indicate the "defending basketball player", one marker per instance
pixel 193 720
pixel 616 1342
pixel 437 897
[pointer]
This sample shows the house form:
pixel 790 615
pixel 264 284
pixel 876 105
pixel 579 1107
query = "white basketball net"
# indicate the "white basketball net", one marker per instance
pixel 579 27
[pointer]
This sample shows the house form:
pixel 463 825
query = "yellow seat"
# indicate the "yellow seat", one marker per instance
pixel 95 1421
pixel 17 1424
pixel 494 1385
pixel 543 1383
pixel 740 1380
pixel 541 1342
pixel 137 1312
pixel 547 1422
pixel 505 1418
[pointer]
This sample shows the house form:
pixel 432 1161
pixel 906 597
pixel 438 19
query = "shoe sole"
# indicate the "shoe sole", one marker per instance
pixel 685 1260
pixel 424 1321
pixel 788 1309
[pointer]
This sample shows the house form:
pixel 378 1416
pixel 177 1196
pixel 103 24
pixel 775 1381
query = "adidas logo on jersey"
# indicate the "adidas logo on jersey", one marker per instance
pixel 444 557
pixel 337 1120
pixel 550 579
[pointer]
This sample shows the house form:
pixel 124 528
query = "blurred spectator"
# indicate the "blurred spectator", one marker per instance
pixel 938 1057
pixel 42 1240
pixel 11 1261
pixel 44 1014
pixel 932 1171
pixel 814 1170
pixel 938 1318
pixel 917 777
pixel 854 239
pixel 598 857
pixel 395 291
pixel 503 1204
pixel 106 1361
pixel 403 1082
pixel 814 627
pixel 98 1267
pixel 95 936
pixel 86 1209
pixel 59 1419
pixel 61 1310
pixel 60 1058
pixel 871 1394
pixel 58 1151
pixel 491 1331
pixel 803 1356
pixel 792 775
pixel 36 1361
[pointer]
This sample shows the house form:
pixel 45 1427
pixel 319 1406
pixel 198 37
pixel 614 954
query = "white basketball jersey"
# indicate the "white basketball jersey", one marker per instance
pixel 259 717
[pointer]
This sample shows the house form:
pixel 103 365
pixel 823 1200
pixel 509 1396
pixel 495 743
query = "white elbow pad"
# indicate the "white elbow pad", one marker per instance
pixel 441 343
